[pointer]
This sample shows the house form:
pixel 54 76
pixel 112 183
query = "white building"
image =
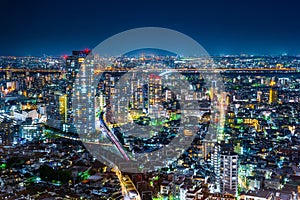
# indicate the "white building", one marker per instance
pixel 229 172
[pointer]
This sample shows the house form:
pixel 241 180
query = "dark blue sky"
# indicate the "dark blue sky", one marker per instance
pixel 57 27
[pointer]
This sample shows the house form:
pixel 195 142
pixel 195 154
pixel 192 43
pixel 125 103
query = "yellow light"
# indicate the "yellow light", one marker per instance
pixel 80 60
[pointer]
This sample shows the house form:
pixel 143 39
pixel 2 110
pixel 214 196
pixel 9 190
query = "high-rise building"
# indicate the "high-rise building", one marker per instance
pixel 74 61
pixel 154 94
pixel 208 148
pixel 154 89
pixel 83 104
pixel 137 94
pixel 273 95
pixel 259 96
pixel 6 132
pixel 215 162
pixel 73 67
pixel 213 90
pixel 229 172
pixel 63 107
pixel 108 92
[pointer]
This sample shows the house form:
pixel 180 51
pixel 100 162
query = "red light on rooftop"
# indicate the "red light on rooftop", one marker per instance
pixel 154 76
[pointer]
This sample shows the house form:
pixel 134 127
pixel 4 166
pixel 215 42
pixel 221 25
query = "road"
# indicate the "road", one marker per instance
pixel 112 137
pixel 129 190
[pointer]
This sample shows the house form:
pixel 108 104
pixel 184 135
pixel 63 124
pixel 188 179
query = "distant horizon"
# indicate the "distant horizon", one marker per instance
pixel 229 53
pixel 212 55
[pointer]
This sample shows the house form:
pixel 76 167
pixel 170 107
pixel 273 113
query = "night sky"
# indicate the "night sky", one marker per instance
pixel 36 27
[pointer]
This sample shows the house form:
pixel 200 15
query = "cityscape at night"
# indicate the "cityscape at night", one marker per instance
pixel 255 155
pixel 119 100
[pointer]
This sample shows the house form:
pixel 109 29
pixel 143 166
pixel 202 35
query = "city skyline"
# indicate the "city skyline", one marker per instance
pixel 255 154
pixel 150 100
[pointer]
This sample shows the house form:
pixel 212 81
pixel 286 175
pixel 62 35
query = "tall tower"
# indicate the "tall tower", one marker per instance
pixel 108 84
pixel 63 107
pixel 229 172
pixel 73 64
pixel 154 93
pixel 215 162
pixel 7 132
pixel 273 95
pixel 213 90
pixel 84 98
pixel 74 61
pixel 137 94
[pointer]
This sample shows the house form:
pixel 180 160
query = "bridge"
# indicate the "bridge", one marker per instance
pixel 23 70
pixel 204 70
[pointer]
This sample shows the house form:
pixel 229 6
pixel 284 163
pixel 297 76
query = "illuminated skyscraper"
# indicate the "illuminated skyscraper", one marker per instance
pixel 84 98
pixel 215 162
pixel 154 89
pixel 109 83
pixel 229 172
pixel 73 64
pixel 137 94
pixel 154 94
pixel 273 95
pixel 74 61
pixel 63 107
pixel 213 90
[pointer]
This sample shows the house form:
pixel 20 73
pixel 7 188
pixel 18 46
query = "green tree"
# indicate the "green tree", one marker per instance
pixel 47 173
